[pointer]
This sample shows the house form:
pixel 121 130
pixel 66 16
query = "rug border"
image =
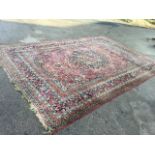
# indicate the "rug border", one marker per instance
pixel 121 91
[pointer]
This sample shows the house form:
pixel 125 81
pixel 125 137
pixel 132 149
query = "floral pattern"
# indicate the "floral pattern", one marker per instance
pixel 67 79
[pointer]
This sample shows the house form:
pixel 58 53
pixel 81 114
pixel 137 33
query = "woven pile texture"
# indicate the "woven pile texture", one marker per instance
pixel 65 80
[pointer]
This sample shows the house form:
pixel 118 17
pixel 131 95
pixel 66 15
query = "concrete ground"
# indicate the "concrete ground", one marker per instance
pixel 131 113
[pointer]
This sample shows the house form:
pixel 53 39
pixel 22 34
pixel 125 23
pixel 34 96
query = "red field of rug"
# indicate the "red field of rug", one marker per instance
pixel 65 80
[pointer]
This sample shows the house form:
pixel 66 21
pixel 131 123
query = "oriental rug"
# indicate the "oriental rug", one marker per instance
pixel 65 80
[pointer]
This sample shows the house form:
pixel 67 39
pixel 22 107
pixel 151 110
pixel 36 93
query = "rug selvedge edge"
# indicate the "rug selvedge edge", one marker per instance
pixel 31 105
pixel 17 87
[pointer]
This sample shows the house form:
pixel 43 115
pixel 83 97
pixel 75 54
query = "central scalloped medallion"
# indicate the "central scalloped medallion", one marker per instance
pixel 88 59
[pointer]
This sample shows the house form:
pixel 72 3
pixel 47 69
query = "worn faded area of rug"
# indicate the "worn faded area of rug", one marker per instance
pixel 65 80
